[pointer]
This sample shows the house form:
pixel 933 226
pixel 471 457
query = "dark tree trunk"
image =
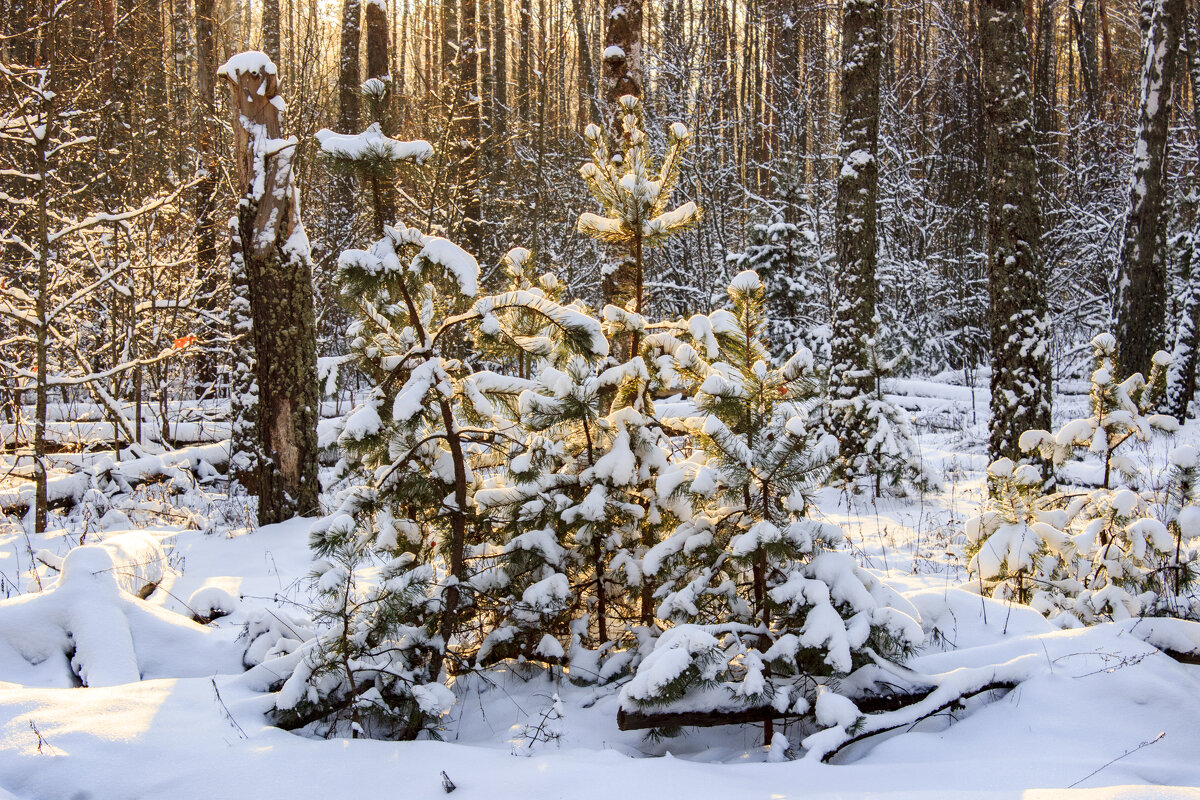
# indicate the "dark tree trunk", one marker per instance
pixel 856 218
pixel 1016 281
pixel 274 250
pixel 587 72
pixel 206 189
pixel 499 97
pixel 622 75
pixel 343 209
pixel 377 40
pixel 349 78
pixel 1141 287
pixel 270 28
pixel 622 54
pixel 525 62
pixel 1181 378
pixel 1045 91
pixel 469 129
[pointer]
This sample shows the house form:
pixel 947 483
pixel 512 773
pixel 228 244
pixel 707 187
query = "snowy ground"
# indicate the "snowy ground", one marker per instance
pixel 1105 712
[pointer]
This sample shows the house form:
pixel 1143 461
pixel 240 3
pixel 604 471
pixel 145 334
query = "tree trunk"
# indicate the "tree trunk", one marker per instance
pixel 1016 281
pixel 377 39
pixel 348 75
pixel 587 72
pixel 274 249
pixel 43 327
pixel 622 75
pixel 469 129
pixel 343 207
pixel 1046 90
pixel 500 75
pixel 622 54
pixel 856 215
pixel 1181 377
pixel 270 28
pixel 525 62
pixel 206 189
pixel 1141 286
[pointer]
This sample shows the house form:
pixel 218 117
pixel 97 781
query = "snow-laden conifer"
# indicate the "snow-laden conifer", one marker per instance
pixel 764 612
pixel 422 440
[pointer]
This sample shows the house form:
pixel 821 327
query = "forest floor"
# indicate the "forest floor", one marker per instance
pixel 1109 716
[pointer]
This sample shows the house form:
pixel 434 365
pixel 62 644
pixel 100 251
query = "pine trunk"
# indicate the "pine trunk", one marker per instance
pixel 1141 298
pixel 622 75
pixel 270 28
pixel 856 217
pixel 1016 281
pixel 1181 377
pixel 377 39
pixel 206 189
pixel 622 54
pixel 469 129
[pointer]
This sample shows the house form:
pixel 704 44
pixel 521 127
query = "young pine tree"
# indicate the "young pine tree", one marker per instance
pixel 634 202
pixel 421 439
pixel 1015 545
pixel 787 258
pixel 1101 553
pixel 748 563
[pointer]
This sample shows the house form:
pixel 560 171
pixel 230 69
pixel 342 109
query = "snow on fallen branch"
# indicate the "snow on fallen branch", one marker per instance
pixel 847 725
pixel 1177 638
pixel 850 721
pixel 182 467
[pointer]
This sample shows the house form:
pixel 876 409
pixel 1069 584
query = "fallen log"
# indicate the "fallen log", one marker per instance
pixel 644 720
pixel 875 730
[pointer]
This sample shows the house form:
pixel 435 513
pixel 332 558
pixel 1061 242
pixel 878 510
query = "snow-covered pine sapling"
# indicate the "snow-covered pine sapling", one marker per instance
pixel 586 478
pixel 1015 544
pixel 1119 551
pixel 888 453
pixel 781 616
pixel 1121 411
pixel 430 422
pixel 1122 547
pixel 373 158
pixel 1176 594
pixel 374 668
pixel 634 205
pixel 788 260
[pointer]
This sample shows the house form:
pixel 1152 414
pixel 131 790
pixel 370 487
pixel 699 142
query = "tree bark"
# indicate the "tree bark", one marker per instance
pixel 622 75
pixel 856 217
pixel 500 75
pixel 1141 287
pixel 622 54
pixel 377 39
pixel 1016 281
pixel 469 129
pixel 349 78
pixel 206 189
pixel 270 28
pixel 525 62
pixel 1181 377
pixel 274 249
pixel 587 72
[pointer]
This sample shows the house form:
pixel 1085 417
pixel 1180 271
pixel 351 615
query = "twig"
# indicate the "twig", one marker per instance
pixel 228 713
pixel 1131 751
